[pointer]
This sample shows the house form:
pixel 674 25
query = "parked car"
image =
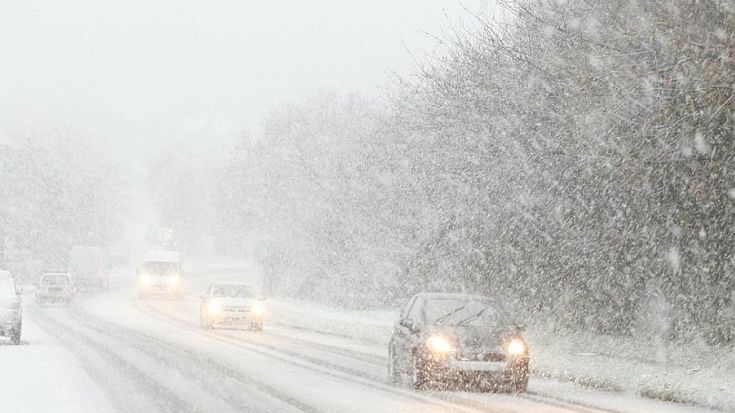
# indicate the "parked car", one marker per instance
pixel 88 268
pixel 231 304
pixel 55 288
pixel 11 308
pixel 160 274
pixel 466 340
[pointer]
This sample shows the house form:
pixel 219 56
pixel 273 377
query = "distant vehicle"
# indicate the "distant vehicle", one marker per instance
pixel 88 268
pixel 231 304
pixel 55 288
pixel 160 274
pixel 11 308
pixel 468 340
pixel 164 238
pixel 118 255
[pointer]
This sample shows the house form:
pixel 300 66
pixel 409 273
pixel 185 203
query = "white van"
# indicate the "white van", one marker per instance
pixel 160 274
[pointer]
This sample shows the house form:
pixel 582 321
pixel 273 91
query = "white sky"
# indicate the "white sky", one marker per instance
pixel 149 72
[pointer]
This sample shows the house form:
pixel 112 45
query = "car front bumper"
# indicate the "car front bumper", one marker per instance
pixel 235 318
pixel 483 373
pixel 8 322
pixel 60 296
pixel 160 289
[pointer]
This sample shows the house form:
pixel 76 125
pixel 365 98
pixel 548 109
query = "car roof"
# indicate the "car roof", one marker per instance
pixel 162 256
pixel 454 296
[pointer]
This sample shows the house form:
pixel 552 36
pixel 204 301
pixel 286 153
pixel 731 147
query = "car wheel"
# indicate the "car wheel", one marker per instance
pixel 418 373
pixel 394 374
pixel 203 322
pixel 519 384
pixel 15 335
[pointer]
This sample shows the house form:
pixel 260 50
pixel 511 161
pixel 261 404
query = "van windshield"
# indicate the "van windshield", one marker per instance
pixel 232 290
pixel 161 268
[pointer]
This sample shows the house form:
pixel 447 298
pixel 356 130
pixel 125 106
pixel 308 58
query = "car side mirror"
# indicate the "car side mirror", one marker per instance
pixel 408 323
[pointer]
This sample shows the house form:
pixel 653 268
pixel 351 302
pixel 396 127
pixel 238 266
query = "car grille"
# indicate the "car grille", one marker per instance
pixel 234 309
pixel 493 356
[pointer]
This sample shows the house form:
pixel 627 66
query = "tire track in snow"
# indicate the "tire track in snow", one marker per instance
pixel 237 396
pixel 136 392
pixel 378 382
pixel 319 366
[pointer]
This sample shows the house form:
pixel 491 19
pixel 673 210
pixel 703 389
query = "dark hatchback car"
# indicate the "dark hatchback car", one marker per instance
pixel 457 339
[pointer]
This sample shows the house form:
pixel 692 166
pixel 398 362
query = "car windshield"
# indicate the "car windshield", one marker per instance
pixel 55 280
pixel 232 290
pixel 160 268
pixel 462 311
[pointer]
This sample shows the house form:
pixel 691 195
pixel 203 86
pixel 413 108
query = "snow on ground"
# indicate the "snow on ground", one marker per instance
pixel 67 387
pixel 685 373
pixel 41 375
pixel 692 373
pixel 371 326
pixel 698 375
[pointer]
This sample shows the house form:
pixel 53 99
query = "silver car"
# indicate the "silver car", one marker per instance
pixel 55 288
pixel 231 304
pixel 11 308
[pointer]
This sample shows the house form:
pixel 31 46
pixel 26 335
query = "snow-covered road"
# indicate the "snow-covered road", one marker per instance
pixel 151 355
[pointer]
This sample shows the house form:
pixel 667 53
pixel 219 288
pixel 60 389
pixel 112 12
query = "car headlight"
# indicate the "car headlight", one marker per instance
pixel 214 307
pixel 146 279
pixel 173 280
pixel 258 309
pixel 439 344
pixel 517 347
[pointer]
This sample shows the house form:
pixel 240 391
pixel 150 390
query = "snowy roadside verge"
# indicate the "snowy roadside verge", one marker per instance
pixel 694 375
pixel 690 373
pixel 370 326
pixel 44 376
